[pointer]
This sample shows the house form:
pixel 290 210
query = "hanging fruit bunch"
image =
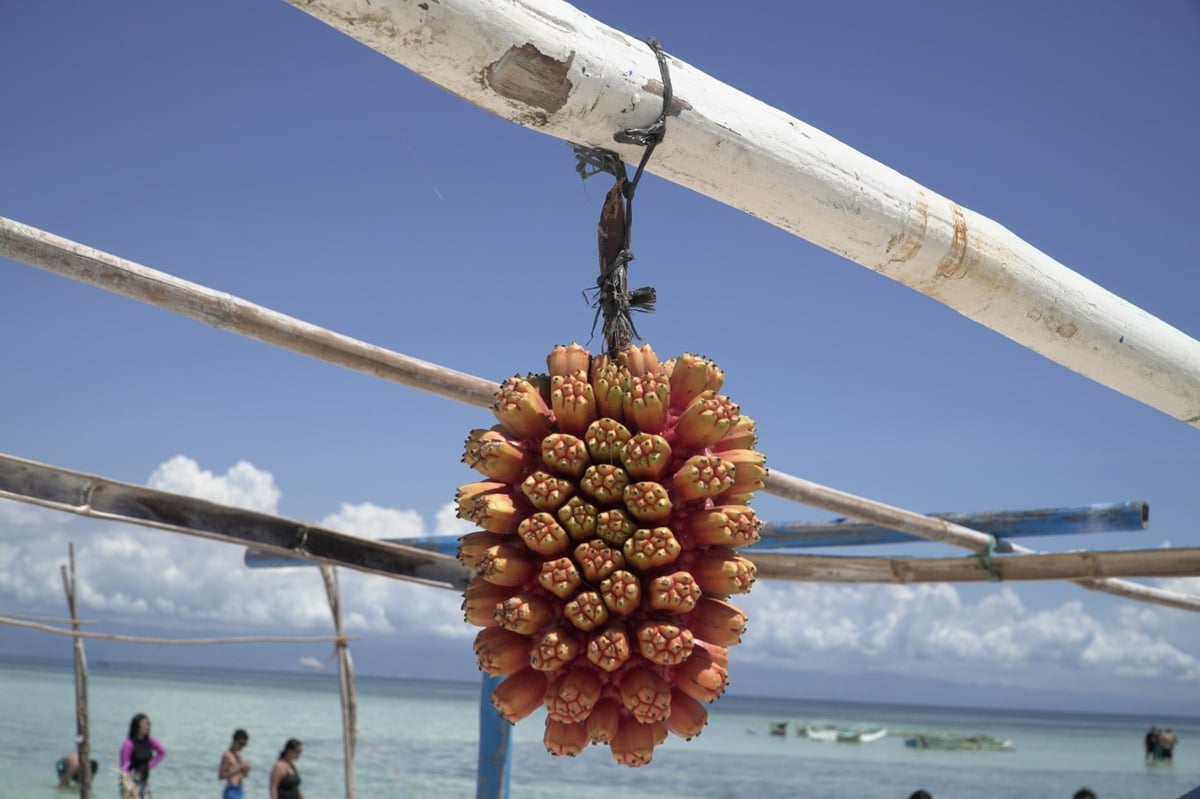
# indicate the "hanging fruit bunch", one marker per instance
pixel 615 501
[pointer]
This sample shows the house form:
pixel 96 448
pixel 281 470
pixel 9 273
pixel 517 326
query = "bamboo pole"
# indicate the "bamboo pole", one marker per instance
pixel 225 312
pixel 894 518
pixel 82 736
pixel 1103 518
pixel 51 619
pixel 547 66
pixel 139 639
pixel 346 690
pixel 99 498
pixel 1077 565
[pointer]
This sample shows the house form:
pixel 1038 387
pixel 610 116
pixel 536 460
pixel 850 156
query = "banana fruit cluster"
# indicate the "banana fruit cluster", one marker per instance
pixel 616 496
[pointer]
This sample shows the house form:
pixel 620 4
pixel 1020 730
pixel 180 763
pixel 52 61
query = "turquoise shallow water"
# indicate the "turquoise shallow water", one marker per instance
pixel 418 739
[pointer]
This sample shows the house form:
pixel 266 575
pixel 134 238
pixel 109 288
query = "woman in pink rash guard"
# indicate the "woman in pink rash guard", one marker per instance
pixel 139 754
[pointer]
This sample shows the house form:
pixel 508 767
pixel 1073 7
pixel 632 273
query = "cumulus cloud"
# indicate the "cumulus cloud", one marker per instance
pixel 931 630
pixel 242 486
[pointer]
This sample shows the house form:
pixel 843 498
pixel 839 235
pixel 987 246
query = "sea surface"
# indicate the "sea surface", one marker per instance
pixel 419 739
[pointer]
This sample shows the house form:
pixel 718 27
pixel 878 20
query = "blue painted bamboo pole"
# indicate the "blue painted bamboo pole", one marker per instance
pixel 1104 518
pixel 495 749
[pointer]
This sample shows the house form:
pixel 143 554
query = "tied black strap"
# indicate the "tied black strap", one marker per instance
pixel 611 296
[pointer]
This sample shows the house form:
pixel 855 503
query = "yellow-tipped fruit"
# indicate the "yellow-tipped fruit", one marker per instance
pixel 646 695
pixel 651 548
pixel 472 545
pixel 688 717
pixel 717 621
pixel 546 491
pixel 555 649
pixel 598 560
pixel 647 501
pixel 646 456
pixel 634 743
pixel 572 696
pixel 750 470
pixel 604 482
pixel 523 613
pixel 586 610
pixel 702 476
pixel 721 571
pixel 578 518
pixel 520 694
pixel 677 592
pixel 700 677
pixel 706 420
pixel 723 525
pixel 621 592
pixel 646 400
pixel 543 534
pixel 610 649
pixel 567 359
pixel 522 410
pixel 665 644
pixel 480 600
pixel 565 454
pixel 560 577
pixel 506 565
pixel 603 721
pixel 496 513
pixel 606 380
pixel 493 455
pixel 500 652
pixel 691 376
pixel 562 738
pixel 742 435
pixel 614 527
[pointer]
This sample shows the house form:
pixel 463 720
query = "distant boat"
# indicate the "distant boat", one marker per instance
pixel 861 735
pixel 825 733
pixel 821 733
pixel 779 728
pixel 958 743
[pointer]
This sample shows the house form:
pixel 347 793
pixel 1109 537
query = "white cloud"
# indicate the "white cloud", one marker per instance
pixel 242 486
pixel 930 630
pixel 372 521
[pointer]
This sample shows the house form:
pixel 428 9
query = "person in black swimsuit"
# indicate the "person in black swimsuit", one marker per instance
pixel 285 778
pixel 140 753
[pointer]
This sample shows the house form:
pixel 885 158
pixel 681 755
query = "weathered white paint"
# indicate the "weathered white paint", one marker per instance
pixel 546 65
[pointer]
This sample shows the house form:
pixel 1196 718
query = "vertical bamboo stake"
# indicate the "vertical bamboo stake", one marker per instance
pixel 83 748
pixel 345 678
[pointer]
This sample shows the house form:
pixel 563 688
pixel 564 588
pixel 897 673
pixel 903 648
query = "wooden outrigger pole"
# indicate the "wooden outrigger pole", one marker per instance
pixel 82 735
pixel 346 690
pixel 547 66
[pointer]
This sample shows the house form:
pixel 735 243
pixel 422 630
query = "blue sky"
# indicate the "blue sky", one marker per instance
pixel 248 147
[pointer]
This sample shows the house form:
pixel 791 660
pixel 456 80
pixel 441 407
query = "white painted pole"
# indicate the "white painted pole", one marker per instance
pixel 546 65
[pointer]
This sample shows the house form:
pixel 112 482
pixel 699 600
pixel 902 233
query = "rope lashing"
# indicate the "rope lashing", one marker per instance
pixel 985 557
pixel 612 298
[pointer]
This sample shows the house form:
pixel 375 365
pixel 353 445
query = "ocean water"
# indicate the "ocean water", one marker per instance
pixel 419 739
